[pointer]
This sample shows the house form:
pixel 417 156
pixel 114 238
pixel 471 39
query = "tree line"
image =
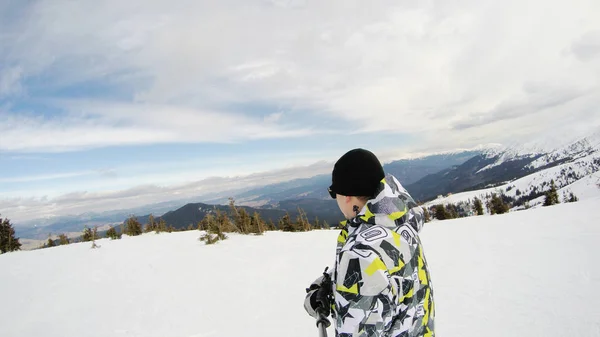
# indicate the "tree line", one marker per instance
pixel 216 223
pixel 496 203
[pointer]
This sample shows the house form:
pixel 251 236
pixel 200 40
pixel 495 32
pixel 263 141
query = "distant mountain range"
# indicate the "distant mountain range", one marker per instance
pixel 191 214
pixel 408 171
pixel 425 178
pixel 271 201
pixel 310 194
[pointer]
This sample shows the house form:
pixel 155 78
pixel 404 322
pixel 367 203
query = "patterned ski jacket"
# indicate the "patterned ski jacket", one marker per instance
pixel 382 286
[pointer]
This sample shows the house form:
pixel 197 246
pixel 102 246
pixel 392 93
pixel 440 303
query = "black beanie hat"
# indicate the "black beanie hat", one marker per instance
pixel 357 173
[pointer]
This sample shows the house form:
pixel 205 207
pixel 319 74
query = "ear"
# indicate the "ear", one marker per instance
pixel 348 199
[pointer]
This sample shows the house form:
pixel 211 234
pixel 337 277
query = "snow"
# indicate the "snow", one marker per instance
pixel 582 182
pixel 550 149
pixel 509 154
pixel 579 149
pixel 528 273
pixel 585 188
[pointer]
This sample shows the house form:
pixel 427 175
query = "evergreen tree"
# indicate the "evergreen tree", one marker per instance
pixel 478 206
pixel 302 223
pixel 451 212
pixel 271 226
pixel 207 222
pixel 285 224
pixel 87 234
pixel 298 225
pixel 151 225
pixel 551 195
pixel 133 227
pixel 573 197
pixel 317 224
pixel 497 205
pixel 162 226
pixel 214 228
pixel 224 222
pixel 235 214
pixel 8 241
pixel 440 212
pixel 325 225
pixel 63 240
pixel 50 241
pixel 112 233
pixel 243 221
pixel 258 225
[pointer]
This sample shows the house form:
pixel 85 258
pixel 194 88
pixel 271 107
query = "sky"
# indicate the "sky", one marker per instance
pixel 114 104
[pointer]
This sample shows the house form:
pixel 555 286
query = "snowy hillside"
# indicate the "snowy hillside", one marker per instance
pixel 581 177
pixel 518 274
pixel 510 154
pixel 544 152
pixel 579 173
pixel 579 149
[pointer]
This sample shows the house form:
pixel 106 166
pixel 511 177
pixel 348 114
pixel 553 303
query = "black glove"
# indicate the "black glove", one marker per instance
pixel 319 296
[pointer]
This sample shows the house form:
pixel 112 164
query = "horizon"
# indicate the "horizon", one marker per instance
pixel 214 187
pixel 129 104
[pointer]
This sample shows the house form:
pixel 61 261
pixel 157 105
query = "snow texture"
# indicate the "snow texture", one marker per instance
pixel 528 273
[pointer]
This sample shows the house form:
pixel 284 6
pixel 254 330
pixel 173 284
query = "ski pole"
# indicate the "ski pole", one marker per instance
pixel 323 324
pixel 324 295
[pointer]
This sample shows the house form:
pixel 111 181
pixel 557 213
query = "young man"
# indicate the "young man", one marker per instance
pixel 380 284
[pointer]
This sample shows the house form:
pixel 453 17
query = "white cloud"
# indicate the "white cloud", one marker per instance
pixel 33 178
pixel 404 67
pixel 93 124
pixel 274 117
pixel 20 209
pixel 452 74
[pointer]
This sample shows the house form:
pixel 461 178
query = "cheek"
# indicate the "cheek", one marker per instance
pixel 342 206
pixel 339 203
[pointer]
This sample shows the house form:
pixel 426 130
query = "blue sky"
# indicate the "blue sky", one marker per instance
pixel 101 99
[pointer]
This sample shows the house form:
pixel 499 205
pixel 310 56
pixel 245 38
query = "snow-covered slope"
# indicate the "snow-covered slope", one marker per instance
pixel 518 274
pixel 573 151
pixel 510 154
pixel 573 168
pixel 544 152
pixel 582 177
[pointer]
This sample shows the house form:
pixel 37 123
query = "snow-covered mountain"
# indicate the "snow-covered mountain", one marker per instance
pixel 545 153
pixel 579 172
pixel 492 275
pixel 573 151
pixel 527 168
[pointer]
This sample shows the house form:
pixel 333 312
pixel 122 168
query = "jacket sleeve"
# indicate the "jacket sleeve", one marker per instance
pixel 363 294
